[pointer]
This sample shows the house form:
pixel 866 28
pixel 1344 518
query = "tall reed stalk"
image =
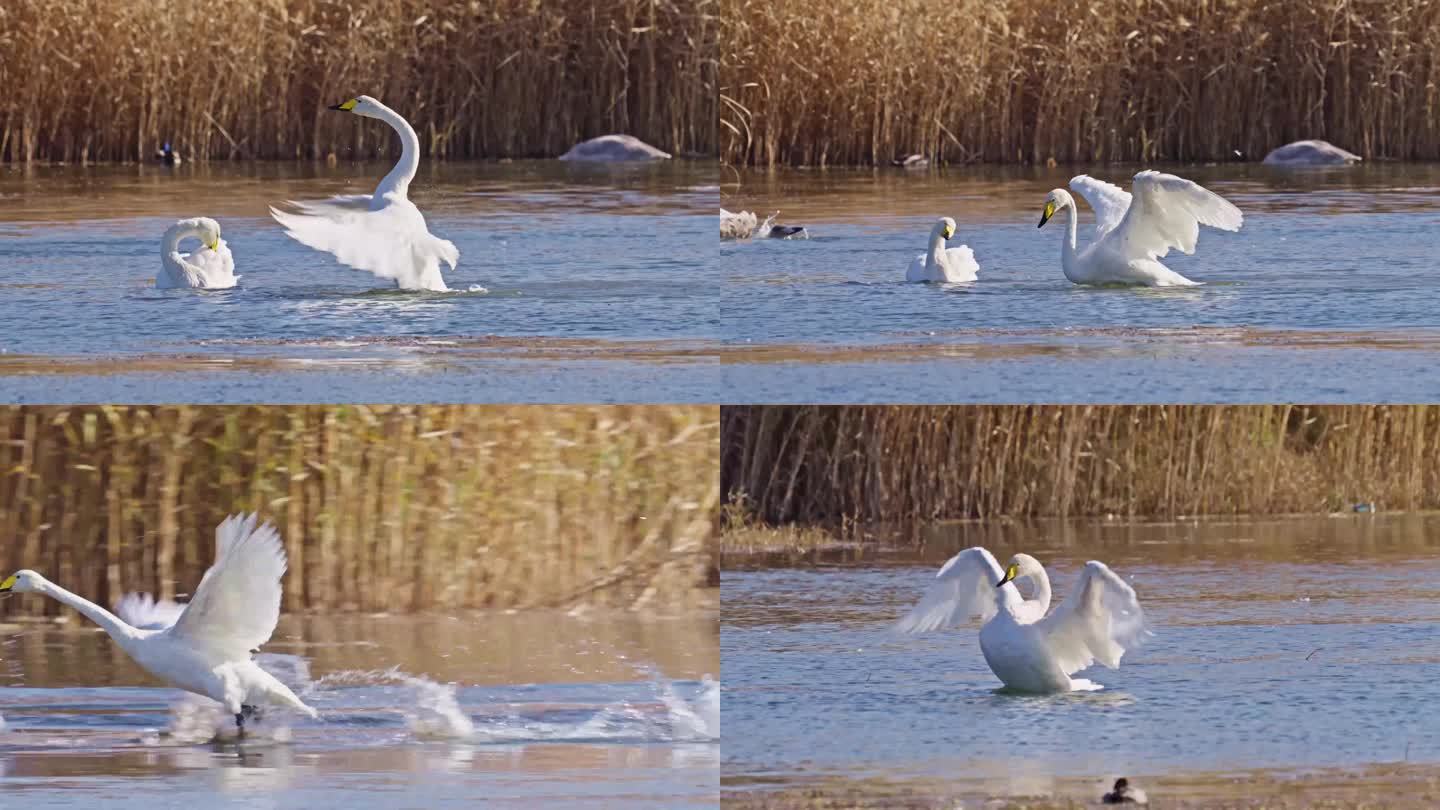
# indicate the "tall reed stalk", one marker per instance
pixel 111 80
pixel 381 508
pixel 1030 80
pixel 813 464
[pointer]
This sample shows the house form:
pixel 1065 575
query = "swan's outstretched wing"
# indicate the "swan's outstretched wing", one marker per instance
pixel 964 587
pixel 390 241
pixel 1098 621
pixel 146 612
pixel 1167 211
pixel 1109 201
pixel 237 604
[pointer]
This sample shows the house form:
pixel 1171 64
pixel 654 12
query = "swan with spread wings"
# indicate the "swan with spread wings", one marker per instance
pixel 1135 229
pixel 208 647
pixel 383 232
pixel 1028 650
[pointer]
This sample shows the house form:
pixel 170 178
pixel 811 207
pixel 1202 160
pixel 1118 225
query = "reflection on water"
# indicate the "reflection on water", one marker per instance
pixel 603 255
pixel 521 709
pixel 1280 643
pixel 1347 252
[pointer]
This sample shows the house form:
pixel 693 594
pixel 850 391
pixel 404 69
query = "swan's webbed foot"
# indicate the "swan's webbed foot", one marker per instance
pixel 246 712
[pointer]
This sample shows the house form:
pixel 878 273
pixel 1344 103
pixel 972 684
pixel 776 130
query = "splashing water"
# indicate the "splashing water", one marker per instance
pixel 432 711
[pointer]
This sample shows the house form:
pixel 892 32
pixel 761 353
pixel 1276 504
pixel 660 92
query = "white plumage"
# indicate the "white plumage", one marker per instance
pixel 383 232
pixel 1133 231
pixel 1026 649
pixel 941 264
pixel 208 649
pixel 211 267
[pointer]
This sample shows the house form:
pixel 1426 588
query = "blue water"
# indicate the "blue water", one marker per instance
pixel 1288 644
pixel 588 261
pixel 1325 293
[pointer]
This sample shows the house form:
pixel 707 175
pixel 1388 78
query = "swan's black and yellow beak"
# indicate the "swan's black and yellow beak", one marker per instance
pixel 347 106
pixel 1013 569
pixel 1046 214
pixel 949 232
pixel 8 583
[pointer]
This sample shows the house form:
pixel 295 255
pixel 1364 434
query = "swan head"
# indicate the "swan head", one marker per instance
pixel 361 105
pixel 22 581
pixel 1055 201
pixel 1021 566
pixel 944 228
pixel 205 229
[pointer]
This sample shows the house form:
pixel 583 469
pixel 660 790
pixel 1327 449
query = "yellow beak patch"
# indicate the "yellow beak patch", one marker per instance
pixel 8 583
pixel 350 105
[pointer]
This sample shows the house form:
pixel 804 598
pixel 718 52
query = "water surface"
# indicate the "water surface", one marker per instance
pixel 529 709
pixel 594 277
pixel 1324 294
pixel 1285 644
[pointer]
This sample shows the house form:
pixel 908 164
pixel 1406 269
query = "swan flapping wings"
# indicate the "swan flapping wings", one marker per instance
pixel 1161 212
pixel 237 605
pixel 965 587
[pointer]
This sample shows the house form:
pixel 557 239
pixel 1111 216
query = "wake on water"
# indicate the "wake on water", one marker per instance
pixel 431 711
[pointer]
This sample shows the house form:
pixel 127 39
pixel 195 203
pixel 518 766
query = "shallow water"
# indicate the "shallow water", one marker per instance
pixel 1326 292
pixel 1290 644
pixel 579 265
pixel 522 709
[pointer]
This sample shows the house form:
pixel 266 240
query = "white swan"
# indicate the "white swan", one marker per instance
pixel 1310 153
pixel 212 267
pixel 382 232
pixel 613 149
pixel 1133 233
pixel 948 265
pixel 208 648
pixel 1026 649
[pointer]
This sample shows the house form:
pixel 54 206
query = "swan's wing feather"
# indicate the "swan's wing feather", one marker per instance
pixel 390 241
pixel 917 271
pixel 146 612
pixel 964 587
pixel 1167 212
pixel 741 225
pixel 960 264
pixel 1098 621
pixel 1109 201
pixel 238 602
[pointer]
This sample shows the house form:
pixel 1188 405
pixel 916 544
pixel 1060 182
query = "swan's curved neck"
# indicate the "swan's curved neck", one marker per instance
pixel 399 177
pixel 1067 256
pixel 109 622
pixel 1038 576
pixel 937 247
pixel 174 235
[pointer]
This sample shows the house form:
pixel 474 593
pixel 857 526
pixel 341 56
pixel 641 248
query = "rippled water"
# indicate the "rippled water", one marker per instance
pixel 1325 294
pixel 596 277
pixel 522 709
pixel 1291 643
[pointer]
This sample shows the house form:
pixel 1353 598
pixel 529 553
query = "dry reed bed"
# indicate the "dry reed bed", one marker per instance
pixel 1029 80
pixel 112 79
pixel 381 508
pixel 829 465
